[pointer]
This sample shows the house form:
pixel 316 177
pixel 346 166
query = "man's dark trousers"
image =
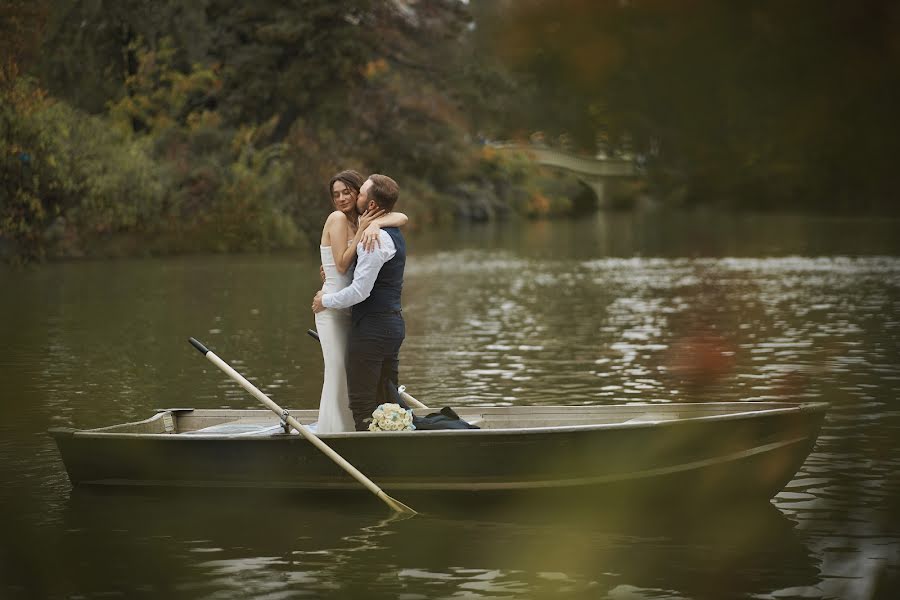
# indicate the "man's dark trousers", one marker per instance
pixel 373 361
pixel 376 333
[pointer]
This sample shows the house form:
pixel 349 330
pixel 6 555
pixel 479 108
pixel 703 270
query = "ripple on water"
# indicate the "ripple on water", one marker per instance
pixel 489 328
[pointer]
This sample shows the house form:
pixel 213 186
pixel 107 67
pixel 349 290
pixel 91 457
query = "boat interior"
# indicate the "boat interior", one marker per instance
pixel 250 422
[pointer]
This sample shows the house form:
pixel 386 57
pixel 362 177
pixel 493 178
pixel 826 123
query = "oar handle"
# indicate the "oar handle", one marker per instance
pixel 199 346
pixel 303 430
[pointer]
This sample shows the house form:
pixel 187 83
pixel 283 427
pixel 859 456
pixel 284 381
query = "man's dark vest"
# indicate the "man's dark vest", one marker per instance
pixel 385 296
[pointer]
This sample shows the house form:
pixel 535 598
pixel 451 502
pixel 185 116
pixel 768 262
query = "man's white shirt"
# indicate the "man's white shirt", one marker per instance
pixel 368 265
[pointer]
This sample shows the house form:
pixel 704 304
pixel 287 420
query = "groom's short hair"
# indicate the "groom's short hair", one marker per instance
pixel 384 191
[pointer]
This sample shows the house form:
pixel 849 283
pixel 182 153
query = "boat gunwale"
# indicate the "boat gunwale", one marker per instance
pixel 773 408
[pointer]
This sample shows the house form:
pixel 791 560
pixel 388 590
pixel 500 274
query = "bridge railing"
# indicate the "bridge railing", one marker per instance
pixel 577 163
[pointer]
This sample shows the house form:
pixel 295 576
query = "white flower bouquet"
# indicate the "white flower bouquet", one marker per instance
pixel 391 417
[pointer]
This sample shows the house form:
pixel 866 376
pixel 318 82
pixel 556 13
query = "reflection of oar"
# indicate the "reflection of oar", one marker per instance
pixel 309 435
pixel 402 389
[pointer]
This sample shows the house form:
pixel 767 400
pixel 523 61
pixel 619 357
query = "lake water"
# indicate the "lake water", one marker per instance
pixel 609 309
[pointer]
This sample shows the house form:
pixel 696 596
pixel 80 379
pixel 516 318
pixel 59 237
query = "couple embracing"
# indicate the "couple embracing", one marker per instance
pixel 358 311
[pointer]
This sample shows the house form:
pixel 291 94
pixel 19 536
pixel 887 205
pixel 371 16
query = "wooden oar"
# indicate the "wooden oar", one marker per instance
pixel 402 389
pixel 309 435
pixel 409 399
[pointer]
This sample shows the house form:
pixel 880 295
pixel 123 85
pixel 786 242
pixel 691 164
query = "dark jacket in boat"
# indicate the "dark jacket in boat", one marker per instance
pixel 385 295
pixel 445 419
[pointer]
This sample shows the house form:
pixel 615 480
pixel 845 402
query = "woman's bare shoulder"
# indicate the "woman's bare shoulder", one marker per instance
pixel 336 219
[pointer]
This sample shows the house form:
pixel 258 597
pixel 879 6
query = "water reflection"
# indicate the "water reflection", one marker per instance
pixel 201 544
pixel 610 311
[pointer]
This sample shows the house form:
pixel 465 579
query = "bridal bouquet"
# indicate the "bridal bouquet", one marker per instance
pixel 391 417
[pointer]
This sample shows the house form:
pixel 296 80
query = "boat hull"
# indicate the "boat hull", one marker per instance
pixel 693 460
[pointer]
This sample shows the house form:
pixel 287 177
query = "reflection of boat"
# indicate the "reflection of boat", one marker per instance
pixel 245 544
pixel 255 543
pixel 729 552
pixel 691 452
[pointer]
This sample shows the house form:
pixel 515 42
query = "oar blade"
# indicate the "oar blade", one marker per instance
pixel 396 504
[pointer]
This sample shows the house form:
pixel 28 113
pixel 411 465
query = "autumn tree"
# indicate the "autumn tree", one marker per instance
pixel 763 104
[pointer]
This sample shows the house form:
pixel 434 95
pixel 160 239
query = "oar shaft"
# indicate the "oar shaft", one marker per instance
pixel 409 399
pixel 306 433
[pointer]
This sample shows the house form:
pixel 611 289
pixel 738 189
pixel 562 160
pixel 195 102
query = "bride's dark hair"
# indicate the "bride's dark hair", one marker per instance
pixel 352 179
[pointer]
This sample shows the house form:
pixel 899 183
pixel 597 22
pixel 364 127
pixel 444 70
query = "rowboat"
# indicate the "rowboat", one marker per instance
pixel 678 452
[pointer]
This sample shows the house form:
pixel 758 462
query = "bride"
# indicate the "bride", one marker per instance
pixel 344 229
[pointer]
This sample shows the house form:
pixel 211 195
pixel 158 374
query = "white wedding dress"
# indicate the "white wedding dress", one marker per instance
pixel 333 326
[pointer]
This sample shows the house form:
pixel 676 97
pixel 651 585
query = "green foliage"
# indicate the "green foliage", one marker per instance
pixel 88 46
pixel 67 175
pixel 521 187
pixel 250 211
pixel 21 27
pixel 288 59
pixel 173 127
pixel 77 184
pixel 157 96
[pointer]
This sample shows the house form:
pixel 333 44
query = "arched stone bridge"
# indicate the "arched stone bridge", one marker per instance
pixel 593 172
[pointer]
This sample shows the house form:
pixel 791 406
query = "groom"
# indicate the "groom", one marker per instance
pixel 377 328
